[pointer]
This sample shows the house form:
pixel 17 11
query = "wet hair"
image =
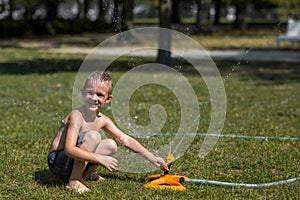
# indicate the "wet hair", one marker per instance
pixel 98 77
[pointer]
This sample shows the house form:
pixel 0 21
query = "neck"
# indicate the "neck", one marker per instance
pixel 89 115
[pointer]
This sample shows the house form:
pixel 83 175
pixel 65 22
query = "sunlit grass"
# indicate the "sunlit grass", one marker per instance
pixel 237 39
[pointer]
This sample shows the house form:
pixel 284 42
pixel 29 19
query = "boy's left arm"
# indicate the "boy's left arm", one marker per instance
pixel 132 144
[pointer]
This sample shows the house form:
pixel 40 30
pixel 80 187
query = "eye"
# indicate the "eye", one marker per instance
pixel 100 95
pixel 88 92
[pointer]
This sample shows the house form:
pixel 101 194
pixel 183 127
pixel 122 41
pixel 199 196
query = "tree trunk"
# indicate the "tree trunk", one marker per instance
pixel 165 12
pixel 101 15
pixel 176 12
pixel 27 13
pixel 127 15
pixel 79 14
pixel 203 18
pixel 86 5
pixel 218 6
pixel 240 20
pixel 11 8
pixel 116 19
pixel 51 7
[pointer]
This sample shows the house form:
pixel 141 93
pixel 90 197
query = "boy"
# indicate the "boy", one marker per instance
pixel 77 149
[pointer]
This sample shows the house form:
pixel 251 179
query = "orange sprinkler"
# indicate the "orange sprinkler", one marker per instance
pixel 166 181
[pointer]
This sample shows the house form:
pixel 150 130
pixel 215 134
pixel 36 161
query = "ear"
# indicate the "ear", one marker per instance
pixel 109 98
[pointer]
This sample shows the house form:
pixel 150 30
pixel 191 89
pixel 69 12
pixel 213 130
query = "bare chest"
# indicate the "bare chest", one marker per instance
pixel 95 125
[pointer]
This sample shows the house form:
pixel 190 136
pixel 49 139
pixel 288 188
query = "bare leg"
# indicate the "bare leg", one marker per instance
pixel 76 175
pixel 90 143
pixel 106 147
pixel 89 175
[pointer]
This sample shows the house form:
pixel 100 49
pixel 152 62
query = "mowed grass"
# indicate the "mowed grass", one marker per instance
pixel 263 99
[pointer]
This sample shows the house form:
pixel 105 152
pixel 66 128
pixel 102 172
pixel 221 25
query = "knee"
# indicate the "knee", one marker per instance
pixel 93 136
pixel 91 140
pixel 112 146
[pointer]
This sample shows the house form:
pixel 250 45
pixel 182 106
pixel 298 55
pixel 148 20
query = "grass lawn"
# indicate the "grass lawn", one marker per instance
pixel 263 99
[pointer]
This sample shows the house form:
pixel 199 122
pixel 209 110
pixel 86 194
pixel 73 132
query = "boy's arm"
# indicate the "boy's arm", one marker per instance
pixel 131 143
pixel 77 153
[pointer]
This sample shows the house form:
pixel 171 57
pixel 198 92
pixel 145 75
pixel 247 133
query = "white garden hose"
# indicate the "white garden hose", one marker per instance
pixel 248 185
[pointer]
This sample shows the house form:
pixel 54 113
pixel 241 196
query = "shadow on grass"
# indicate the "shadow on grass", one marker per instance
pixel 274 72
pixel 124 176
pixel 48 65
pixel 46 178
pixel 39 66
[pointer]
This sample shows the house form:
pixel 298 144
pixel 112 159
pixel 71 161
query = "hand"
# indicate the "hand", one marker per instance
pixel 159 162
pixel 108 162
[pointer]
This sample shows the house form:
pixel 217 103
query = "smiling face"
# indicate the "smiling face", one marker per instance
pixel 97 91
pixel 96 97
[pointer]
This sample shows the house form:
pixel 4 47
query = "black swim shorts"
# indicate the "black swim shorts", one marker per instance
pixel 60 164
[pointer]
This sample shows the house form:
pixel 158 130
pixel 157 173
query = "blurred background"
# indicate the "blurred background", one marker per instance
pixel 27 18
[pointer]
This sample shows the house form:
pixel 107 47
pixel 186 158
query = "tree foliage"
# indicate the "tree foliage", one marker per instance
pixel 46 14
pixel 289 9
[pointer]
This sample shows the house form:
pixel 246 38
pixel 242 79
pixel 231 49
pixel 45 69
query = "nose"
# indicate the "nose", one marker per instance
pixel 94 97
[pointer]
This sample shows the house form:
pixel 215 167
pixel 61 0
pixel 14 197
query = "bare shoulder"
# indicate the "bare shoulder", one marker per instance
pixel 110 127
pixel 107 124
pixel 105 120
pixel 75 116
pixel 74 120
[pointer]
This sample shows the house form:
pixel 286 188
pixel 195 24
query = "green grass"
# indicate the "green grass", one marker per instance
pixel 262 99
pixel 255 38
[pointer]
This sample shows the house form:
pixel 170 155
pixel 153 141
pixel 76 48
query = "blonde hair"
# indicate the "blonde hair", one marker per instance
pixel 98 77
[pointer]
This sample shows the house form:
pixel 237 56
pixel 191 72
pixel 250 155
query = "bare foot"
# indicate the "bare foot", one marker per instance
pixel 93 177
pixel 77 186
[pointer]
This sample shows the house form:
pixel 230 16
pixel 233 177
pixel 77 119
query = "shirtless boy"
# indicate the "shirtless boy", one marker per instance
pixel 78 149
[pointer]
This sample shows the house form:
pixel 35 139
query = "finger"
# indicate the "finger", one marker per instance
pixel 113 167
pixel 110 169
pixel 160 165
pixel 161 160
pixel 116 161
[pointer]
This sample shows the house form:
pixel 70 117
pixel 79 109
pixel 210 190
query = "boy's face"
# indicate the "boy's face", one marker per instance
pixel 96 96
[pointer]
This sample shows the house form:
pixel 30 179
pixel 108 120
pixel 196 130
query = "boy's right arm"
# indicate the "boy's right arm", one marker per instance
pixel 131 143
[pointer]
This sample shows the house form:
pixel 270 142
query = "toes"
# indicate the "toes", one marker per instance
pixel 95 177
pixel 78 187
